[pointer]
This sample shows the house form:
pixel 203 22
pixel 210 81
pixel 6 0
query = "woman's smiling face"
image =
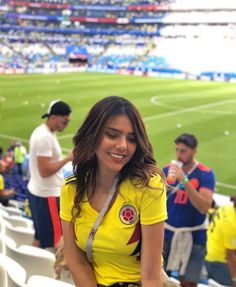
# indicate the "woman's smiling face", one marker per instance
pixel 117 145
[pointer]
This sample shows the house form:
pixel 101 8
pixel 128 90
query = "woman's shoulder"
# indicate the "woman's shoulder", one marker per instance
pixel 155 182
pixel 69 181
pixel 68 189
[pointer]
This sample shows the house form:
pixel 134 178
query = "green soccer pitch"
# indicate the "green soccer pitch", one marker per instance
pixel 169 107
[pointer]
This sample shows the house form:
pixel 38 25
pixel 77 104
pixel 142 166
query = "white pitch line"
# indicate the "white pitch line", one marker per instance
pixel 4 136
pixel 193 109
pixel 65 136
pixel 226 185
pixel 154 100
pixel 224 113
pixel 8 137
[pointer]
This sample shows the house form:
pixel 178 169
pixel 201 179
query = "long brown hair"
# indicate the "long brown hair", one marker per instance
pixel 141 166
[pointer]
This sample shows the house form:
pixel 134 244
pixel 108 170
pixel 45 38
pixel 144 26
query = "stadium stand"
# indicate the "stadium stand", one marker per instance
pixel 18 183
pixel 135 37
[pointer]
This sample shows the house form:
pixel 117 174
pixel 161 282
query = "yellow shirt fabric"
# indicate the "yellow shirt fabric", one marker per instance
pixel 221 234
pixel 19 154
pixel 116 246
pixel 1 182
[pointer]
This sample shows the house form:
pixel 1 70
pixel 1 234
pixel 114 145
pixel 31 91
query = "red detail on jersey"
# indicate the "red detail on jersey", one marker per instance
pixel 128 214
pixel 203 167
pixel 136 234
pixel 181 197
pixel 195 182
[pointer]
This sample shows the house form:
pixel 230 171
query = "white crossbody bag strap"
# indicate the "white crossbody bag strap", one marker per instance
pixel 99 220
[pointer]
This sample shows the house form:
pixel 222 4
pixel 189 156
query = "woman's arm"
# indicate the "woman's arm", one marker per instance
pixel 151 254
pixel 76 259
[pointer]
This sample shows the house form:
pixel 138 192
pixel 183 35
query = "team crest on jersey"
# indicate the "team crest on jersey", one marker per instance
pixel 128 214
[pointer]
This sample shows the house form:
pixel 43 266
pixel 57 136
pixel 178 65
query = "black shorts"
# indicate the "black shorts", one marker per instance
pixel 45 215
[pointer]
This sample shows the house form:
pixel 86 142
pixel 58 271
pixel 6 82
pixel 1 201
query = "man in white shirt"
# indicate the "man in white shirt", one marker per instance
pixel 45 165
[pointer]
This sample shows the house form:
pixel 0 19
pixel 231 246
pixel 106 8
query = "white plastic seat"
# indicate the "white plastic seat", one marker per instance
pixel 19 221
pixel 213 283
pixel 3 275
pixel 3 239
pixel 32 250
pixel 14 274
pixel 11 210
pixel 2 244
pixel 34 260
pixel 39 281
pixel 3 212
pixel 13 203
pixel 2 229
pixel 21 235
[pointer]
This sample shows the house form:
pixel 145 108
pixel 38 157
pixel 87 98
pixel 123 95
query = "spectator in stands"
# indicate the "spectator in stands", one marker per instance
pixel 1 153
pixel 189 199
pixel 46 177
pixel 7 160
pixel 1 159
pixel 221 245
pixel 19 156
pixel 5 194
pixel 115 173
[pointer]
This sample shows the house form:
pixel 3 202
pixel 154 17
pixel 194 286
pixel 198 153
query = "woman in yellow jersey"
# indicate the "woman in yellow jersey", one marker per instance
pixel 115 173
pixel 221 245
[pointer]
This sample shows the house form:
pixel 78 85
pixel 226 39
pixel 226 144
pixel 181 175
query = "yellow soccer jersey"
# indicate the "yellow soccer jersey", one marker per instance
pixel 1 182
pixel 221 234
pixel 116 246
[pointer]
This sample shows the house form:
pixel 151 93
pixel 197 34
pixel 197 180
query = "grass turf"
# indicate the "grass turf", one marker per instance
pixel 169 107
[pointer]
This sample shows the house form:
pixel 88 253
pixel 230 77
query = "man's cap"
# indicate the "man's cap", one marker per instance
pixel 59 108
